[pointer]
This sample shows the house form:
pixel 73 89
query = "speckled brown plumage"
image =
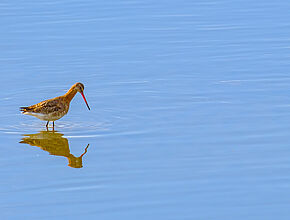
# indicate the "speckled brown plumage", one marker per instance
pixel 56 108
pixel 56 105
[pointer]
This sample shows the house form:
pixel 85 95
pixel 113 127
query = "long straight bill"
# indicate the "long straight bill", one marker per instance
pixel 85 100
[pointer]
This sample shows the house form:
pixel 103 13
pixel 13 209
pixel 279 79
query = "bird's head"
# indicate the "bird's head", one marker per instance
pixel 79 87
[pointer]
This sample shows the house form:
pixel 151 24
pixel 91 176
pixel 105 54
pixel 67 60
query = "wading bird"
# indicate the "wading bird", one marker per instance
pixel 56 108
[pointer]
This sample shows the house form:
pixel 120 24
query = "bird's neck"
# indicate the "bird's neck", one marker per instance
pixel 70 94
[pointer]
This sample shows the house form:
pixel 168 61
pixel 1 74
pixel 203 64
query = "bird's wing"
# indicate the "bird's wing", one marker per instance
pixel 45 107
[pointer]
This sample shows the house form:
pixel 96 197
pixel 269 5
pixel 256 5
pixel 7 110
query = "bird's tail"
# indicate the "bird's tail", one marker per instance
pixel 24 109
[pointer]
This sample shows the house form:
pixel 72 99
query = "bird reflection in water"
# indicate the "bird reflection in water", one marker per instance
pixel 54 143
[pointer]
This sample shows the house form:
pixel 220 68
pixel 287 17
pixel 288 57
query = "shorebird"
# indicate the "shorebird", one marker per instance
pixel 56 108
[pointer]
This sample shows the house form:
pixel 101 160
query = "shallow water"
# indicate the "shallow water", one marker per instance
pixel 190 110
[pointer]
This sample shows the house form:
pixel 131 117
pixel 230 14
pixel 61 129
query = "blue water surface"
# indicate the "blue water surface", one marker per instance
pixel 190 110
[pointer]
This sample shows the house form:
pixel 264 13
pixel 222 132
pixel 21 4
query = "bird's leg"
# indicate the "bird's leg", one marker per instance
pixel 53 125
pixel 47 124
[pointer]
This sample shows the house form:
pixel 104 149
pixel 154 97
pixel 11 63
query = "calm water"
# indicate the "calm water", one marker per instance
pixel 190 110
